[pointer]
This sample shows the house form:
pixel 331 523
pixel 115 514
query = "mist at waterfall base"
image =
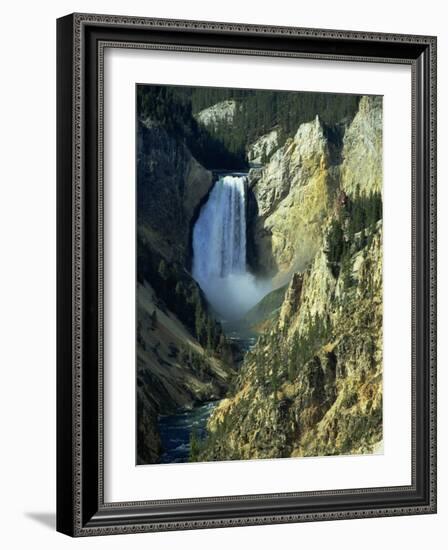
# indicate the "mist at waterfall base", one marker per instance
pixel 219 251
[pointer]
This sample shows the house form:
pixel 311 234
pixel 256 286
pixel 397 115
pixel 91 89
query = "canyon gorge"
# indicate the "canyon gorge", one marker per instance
pixel 259 281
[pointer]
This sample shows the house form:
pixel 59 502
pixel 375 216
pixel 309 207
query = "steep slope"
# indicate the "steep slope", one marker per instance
pixel 253 124
pixel 173 370
pixel 219 114
pixel 312 385
pixel 293 192
pixel 363 146
pixel 263 147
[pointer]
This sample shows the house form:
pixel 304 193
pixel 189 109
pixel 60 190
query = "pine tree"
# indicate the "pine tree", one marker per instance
pixel 163 270
pixel 195 446
pixel 275 376
pixel 154 320
pixel 179 289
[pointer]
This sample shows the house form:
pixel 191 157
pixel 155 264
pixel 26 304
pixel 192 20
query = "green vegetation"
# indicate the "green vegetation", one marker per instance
pixel 261 111
pixel 277 363
pixel 312 383
pixel 197 364
pixel 186 302
pixel 361 212
pixel 305 346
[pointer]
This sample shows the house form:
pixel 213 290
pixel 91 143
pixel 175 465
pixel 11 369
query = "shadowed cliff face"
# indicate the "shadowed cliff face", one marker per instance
pixel 171 184
pixel 174 370
pixel 262 148
pixel 312 385
pixel 178 364
pixel 293 193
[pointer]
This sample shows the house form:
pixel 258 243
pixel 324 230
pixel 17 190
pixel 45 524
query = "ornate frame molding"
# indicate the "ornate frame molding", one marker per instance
pixel 81 42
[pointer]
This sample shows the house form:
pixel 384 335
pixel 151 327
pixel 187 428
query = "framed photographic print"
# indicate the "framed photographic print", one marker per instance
pixel 246 274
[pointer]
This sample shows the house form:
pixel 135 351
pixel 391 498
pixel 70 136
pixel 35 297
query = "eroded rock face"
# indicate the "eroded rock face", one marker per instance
pixel 221 113
pixel 363 146
pixel 171 186
pixel 312 385
pixel 292 302
pixel 293 193
pixel 174 369
pixel 179 367
pixel 353 421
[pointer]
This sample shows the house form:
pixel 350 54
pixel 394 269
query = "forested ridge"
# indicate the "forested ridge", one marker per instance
pixel 259 111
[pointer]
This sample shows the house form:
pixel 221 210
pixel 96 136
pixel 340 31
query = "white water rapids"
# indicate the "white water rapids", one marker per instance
pixel 219 251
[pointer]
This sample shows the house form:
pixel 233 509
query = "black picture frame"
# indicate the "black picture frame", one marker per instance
pixel 81 39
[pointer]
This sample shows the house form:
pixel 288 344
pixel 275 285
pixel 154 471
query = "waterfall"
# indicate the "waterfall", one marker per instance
pixel 219 236
pixel 219 250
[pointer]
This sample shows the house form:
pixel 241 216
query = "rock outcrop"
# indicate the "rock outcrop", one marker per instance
pixel 293 192
pixel 177 363
pixel 174 371
pixel 312 384
pixel 363 146
pixel 222 113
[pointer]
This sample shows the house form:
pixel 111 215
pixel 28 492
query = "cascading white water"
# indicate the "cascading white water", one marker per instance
pixel 219 236
pixel 219 250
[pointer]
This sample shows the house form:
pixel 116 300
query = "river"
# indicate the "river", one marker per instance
pixel 220 269
pixel 175 431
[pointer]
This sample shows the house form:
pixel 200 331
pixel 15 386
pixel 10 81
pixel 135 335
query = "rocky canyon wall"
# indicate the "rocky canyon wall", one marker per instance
pixel 312 385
